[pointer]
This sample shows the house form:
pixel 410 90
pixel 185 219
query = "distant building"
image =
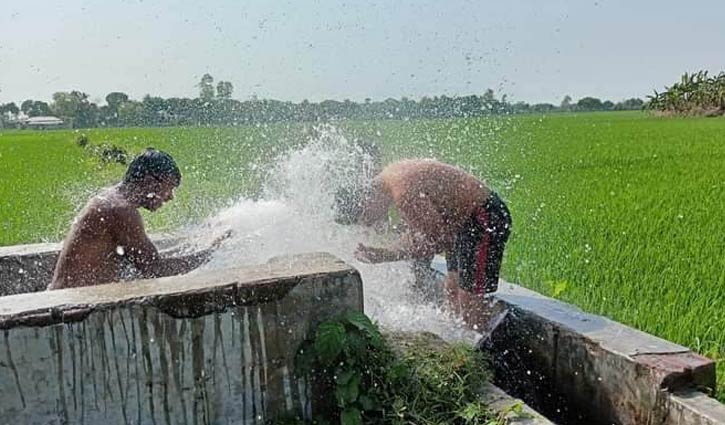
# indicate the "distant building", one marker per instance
pixel 41 123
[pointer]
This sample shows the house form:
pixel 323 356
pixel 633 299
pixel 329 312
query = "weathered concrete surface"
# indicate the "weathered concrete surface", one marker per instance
pixel 592 369
pixel 498 401
pixel 582 368
pixel 29 268
pixel 204 348
pixel 694 408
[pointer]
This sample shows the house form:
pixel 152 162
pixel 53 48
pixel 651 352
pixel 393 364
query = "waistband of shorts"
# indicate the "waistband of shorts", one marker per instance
pixel 491 201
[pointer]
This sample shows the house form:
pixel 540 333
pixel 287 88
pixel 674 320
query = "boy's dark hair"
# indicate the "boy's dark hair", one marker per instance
pixel 153 163
pixel 348 204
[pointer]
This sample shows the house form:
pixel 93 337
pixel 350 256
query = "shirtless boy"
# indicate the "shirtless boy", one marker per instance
pixel 444 209
pixel 109 231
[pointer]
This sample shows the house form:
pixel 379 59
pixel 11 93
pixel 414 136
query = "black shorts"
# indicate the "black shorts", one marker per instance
pixel 478 247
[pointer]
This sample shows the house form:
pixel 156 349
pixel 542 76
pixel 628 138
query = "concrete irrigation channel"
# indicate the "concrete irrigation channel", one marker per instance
pixel 218 346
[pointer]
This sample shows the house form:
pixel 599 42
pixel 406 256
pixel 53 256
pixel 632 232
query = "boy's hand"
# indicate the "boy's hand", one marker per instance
pixel 372 255
pixel 218 241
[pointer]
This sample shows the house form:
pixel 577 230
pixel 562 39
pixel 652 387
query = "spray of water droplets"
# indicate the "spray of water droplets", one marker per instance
pixel 296 215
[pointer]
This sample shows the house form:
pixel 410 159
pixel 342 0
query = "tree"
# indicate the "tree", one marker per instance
pixel 131 113
pixel 74 106
pixel 206 88
pixel 542 107
pixel 489 100
pixel 67 105
pixel 590 104
pixel 35 108
pixel 7 112
pixel 10 109
pixel 696 93
pixel 566 103
pixel 632 104
pixel 115 99
pixel 224 90
pixel 109 114
pixel 155 110
pixel 27 106
pixel 520 108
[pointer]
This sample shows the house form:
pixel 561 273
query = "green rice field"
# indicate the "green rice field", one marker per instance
pixel 619 213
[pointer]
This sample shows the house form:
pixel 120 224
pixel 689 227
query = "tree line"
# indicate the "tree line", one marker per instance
pixel 695 94
pixel 215 106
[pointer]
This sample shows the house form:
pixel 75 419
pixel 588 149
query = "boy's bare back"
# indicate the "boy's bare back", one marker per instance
pixel 94 249
pixel 433 198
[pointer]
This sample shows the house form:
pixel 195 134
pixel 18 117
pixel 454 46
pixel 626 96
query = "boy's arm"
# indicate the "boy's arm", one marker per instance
pixel 135 244
pixel 412 244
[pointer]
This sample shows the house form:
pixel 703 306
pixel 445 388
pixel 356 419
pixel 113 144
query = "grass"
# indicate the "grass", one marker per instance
pixel 45 178
pixel 396 379
pixel 619 213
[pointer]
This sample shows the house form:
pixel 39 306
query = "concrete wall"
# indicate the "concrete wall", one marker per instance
pixel 689 407
pixel 580 368
pixel 26 268
pixel 214 347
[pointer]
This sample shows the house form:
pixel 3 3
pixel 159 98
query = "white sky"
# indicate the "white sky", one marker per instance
pixel 316 49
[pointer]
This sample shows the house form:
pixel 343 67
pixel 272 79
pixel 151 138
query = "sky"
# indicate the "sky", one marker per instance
pixel 534 50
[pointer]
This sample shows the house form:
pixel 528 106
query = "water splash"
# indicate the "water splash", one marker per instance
pixel 295 215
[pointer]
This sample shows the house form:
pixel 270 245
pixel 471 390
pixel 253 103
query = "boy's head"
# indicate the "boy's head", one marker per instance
pixel 154 163
pixel 156 175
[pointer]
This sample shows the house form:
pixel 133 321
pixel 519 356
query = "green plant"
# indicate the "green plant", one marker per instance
pixel 394 379
pixel 111 154
pixel 442 383
pixel 516 410
pixel 348 357
pixel 695 94
pixel 82 140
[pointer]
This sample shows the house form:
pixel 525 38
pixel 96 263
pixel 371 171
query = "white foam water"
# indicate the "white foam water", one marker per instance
pixel 296 215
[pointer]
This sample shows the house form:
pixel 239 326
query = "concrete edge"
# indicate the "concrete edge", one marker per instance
pixel 162 239
pixel 190 295
pixel 236 362
pixel 694 407
pixel 29 249
pixel 29 268
pixel 674 366
pixel 505 405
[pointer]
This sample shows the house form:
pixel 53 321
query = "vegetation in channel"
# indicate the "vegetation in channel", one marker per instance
pixel 361 376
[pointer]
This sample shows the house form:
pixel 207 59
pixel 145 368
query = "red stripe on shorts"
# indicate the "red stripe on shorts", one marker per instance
pixel 480 285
